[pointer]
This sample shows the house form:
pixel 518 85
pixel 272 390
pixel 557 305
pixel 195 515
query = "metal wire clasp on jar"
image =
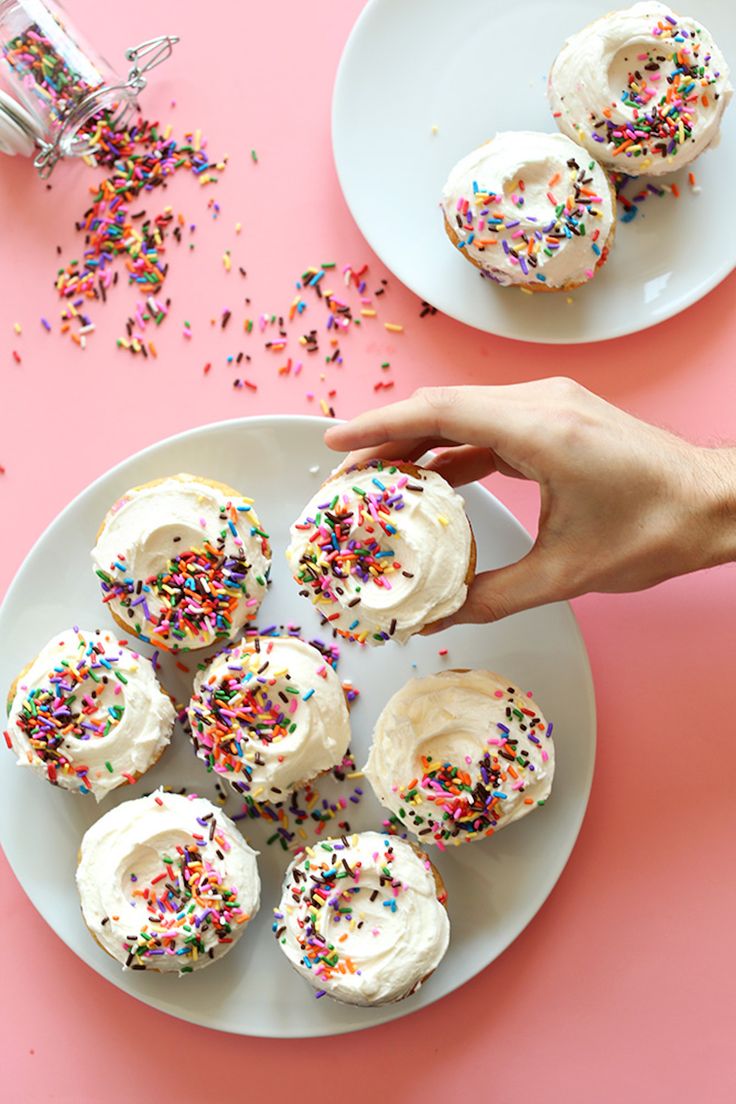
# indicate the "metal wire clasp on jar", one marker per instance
pixel 59 85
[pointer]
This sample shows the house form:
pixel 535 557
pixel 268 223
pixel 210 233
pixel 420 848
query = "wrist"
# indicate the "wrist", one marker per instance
pixel 717 493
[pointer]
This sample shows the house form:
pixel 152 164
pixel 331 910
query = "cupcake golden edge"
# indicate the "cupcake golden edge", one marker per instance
pixel 392 485
pixel 399 935
pixel 125 914
pixel 293 727
pixel 101 748
pixel 232 537
pixel 494 766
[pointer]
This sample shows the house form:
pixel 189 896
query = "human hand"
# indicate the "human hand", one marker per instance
pixel 624 504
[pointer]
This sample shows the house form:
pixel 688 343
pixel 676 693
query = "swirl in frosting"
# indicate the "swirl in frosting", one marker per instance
pixel 167 883
pixel 89 714
pixel 183 562
pixel 382 551
pixel 643 89
pixel 459 755
pixel 362 918
pixel 532 209
pixel 269 714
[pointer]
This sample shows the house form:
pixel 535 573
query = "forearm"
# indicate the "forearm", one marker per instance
pixel 718 502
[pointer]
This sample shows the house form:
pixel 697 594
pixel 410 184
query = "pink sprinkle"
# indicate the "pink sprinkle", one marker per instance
pixel 498 693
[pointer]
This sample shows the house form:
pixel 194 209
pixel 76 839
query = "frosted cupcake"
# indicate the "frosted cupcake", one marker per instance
pixel 88 714
pixel 269 714
pixel 459 755
pixel 363 919
pixel 383 550
pixel 643 89
pixel 167 883
pixel 183 562
pixel 531 210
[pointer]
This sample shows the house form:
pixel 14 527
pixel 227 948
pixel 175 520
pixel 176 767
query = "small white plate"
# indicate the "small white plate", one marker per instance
pixel 495 887
pixel 472 68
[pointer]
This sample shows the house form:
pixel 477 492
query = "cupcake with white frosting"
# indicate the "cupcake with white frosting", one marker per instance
pixel 167 883
pixel 88 714
pixel 531 210
pixel 183 562
pixel 269 714
pixel 459 755
pixel 383 550
pixel 643 89
pixel 362 918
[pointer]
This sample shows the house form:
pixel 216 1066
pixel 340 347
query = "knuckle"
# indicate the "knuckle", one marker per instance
pixel 436 401
pixel 565 388
pixel 436 397
pixel 492 606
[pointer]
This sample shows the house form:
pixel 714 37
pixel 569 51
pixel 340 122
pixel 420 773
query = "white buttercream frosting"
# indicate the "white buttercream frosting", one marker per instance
pixel 167 882
pixel 531 208
pixel 361 920
pixel 643 89
pixel 183 563
pixel 382 553
pixel 459 755
pixel 269 714
pixel 89 714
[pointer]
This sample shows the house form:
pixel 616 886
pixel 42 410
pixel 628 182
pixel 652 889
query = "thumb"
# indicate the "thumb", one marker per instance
pixel 531 581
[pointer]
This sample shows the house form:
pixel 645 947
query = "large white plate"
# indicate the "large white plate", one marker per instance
pixel 495 887
pixel 471 68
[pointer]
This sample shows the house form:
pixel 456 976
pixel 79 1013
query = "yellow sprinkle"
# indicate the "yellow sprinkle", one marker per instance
pixel 393 327
pixel 197 139
pixel 167 132
pixel 354 774
pixel 17 327
pixel 368 313
pixel 527 291
pixel 325 408
pixel 442 519
pixel 238 227
pixel 226 260
pixel 435 128
pixel 570 299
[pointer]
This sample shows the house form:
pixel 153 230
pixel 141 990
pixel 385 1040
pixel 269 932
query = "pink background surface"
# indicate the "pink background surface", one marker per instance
pixel 624 981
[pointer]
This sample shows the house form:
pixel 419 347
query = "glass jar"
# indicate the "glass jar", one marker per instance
pixel 59 83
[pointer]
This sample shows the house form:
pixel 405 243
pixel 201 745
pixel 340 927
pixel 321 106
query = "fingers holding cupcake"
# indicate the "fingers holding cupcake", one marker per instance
pixel 383 550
